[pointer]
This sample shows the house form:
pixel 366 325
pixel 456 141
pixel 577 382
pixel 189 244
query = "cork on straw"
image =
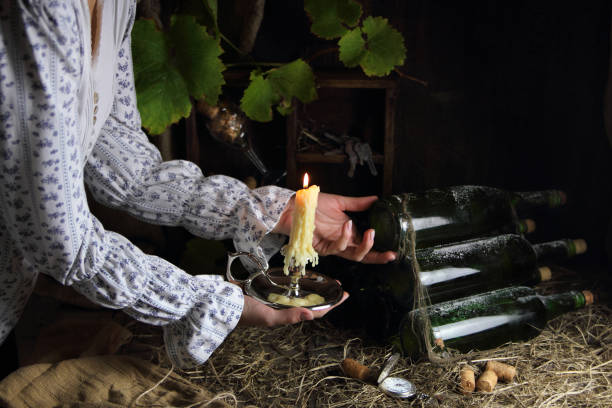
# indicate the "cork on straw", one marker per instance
pixel 439 342
pixel 505 372
pixel 355 369
pixel 545 273
pixel 580 245
pixel 589 297
pixel 487 381
pixel 467 382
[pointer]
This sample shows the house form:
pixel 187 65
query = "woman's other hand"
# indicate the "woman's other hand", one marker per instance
pixel 255 313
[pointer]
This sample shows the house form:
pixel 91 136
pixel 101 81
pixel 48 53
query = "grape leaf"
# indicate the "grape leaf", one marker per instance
pixel 171 67
pixel 258 98
pixel 197 58
pixel 278 86
pixel 381 50
pixel 385 47
pixel 352 48
pixel 205 12
pixel 284 107
pixel 294 79
pixel 331 17
pixel 162 95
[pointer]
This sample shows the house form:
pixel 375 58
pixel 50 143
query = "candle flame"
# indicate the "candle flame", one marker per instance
pixel 305 184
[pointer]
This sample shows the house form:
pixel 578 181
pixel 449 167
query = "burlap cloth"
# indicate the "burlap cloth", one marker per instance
pixel 102 381
pixel 72 355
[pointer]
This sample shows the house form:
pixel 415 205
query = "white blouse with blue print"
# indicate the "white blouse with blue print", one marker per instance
pixel 67 118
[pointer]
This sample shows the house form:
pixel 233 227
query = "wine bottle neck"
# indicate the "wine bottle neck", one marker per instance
pixel 524 200
pixel 559 250
pixel 561 303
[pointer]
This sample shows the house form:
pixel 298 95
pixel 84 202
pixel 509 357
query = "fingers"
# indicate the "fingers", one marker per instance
pixel 362 252
pixel 343 242
pixel 255 313
pixel 358 203
pixel 359 252
pixel 281 317
pixel 365 245
pixel 375 257
pixel 298 314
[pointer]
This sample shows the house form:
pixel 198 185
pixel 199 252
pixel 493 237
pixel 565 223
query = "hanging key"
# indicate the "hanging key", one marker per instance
pixel 349 146
pixel 365 155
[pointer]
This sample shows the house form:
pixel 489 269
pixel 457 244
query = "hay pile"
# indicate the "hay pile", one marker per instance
pixel 568 365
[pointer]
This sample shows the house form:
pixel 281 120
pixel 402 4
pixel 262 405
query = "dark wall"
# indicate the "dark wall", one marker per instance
pixel 515 100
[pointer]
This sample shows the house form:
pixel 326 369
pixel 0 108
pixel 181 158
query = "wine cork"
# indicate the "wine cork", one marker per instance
pixel 562 197
pixel 439 342
pixel 504 372
pixel 530 225
pixel 467 382
pixel 545 273
pixel 487 381
pixel 580 245
pixel 355 369
pixel 589 297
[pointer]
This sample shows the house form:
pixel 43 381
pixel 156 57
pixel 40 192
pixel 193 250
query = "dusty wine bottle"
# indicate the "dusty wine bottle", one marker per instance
pixel 464 268
pixel 439 216
pixel 488 320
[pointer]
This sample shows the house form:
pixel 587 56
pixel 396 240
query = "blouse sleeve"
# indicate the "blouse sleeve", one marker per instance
pixel 126 171
pixel 42 194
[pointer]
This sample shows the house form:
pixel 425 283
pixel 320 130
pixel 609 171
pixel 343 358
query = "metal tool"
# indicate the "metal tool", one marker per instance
pixel 395 386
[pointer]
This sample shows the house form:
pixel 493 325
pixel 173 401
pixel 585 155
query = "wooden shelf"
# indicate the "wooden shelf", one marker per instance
pixel 331 158
pixel 382 137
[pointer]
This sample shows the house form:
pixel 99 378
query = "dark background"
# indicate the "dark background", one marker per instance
pixel 514 99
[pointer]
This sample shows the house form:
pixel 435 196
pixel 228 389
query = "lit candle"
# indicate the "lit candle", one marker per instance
pixel 299 251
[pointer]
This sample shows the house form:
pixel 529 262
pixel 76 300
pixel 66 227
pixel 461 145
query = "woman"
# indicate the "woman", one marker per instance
pixel 68 117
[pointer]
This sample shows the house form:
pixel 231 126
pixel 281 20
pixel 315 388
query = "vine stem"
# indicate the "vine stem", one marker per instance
pixel 319 53
pixel 231 44
pixel 255 64
pixel 329 50
pixel 411 78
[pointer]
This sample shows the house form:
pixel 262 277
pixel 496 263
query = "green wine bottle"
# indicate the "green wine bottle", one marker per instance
pixel 488 320
pixel 461 269
pixel 440 216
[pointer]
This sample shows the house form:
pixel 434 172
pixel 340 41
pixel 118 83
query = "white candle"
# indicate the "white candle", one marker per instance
pixel 299 251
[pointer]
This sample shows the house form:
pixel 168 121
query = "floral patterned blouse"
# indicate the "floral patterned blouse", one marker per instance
pixel 67 118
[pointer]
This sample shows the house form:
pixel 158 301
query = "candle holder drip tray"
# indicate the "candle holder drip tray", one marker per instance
pixel 272 287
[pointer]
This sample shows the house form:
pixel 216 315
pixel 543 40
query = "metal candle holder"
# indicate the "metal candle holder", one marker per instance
pixel 263 282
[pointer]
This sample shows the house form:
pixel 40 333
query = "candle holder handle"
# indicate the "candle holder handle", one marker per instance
pixel 261 271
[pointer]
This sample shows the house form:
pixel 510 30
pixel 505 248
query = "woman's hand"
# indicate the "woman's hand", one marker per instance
pixel 255 313
pixel 335 233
